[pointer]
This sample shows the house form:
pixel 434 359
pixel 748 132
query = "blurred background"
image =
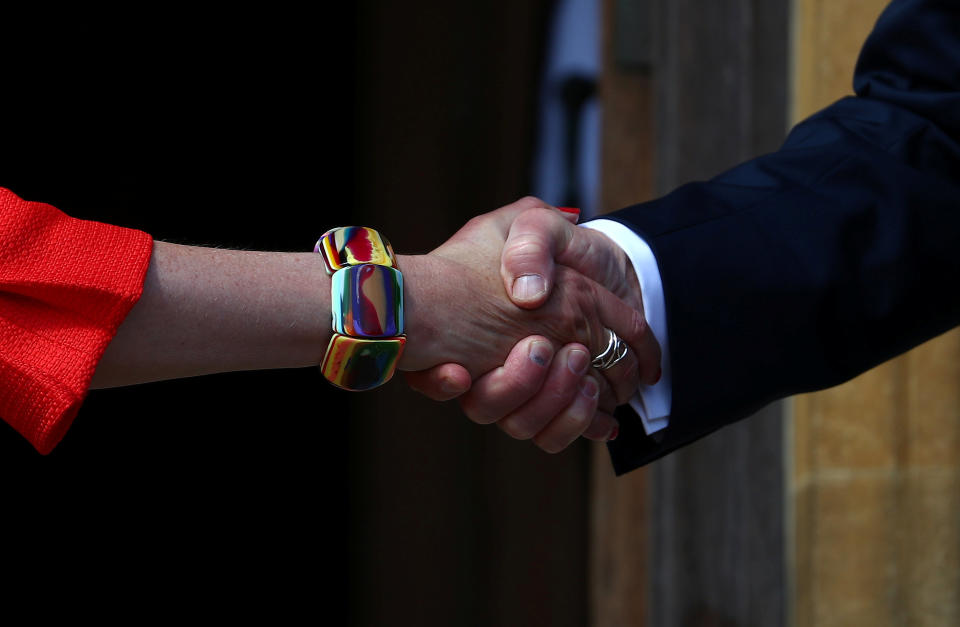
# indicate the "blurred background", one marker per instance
pixel 272 495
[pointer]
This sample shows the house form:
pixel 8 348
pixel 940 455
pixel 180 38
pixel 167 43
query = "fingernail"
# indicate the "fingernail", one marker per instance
pixel 540 353
pixel 578 361
pixel 528 287
pixel 589 388
pixel 613 433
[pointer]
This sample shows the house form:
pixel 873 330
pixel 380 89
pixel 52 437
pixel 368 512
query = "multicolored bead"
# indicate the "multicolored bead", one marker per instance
pixel 353 245
pixel 358 364
pixel 367 305
pixel 367 301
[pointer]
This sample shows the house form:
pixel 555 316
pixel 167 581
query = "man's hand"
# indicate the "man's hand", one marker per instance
pixel 539 392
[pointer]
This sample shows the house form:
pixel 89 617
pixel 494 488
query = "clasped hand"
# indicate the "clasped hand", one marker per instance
pixel 509 312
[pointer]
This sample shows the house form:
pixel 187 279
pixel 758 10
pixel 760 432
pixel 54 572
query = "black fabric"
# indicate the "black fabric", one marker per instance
pixel 805 267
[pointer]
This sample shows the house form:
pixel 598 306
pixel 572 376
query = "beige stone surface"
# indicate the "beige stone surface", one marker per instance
pixel 874 492
pixel 875 489
pixel 879 548
pixel 932 435
pixel 862 438
pixel 929 546
pixel 844 572
pixel 828 35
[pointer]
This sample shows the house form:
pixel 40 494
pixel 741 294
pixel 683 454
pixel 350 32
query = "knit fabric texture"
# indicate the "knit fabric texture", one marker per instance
pixel 65 287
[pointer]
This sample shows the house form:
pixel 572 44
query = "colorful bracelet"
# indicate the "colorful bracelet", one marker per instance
pixel 366 299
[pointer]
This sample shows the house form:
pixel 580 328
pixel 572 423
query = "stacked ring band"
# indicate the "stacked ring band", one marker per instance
pixel 615 351
pixel 366 300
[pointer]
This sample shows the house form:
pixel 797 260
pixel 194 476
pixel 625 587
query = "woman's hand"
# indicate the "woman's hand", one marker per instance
pixel 533 388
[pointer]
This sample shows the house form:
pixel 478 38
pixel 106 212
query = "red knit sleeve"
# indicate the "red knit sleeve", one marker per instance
pixel 65 287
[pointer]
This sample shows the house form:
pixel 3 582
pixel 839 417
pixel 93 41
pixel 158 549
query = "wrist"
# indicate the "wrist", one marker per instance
pixel 366 304
pixel 420 298
pixel 456 315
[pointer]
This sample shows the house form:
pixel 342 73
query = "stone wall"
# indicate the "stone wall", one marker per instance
pixel 873 497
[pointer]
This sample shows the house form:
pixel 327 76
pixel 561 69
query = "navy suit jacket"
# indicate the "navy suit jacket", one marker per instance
pixel 805 267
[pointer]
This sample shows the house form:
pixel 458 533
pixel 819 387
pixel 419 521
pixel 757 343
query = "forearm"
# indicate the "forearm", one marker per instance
pixel 207 310
pixel 802 268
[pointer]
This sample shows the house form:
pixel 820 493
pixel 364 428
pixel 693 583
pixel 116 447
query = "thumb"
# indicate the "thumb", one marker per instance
pixel 539 239
pixel 529 252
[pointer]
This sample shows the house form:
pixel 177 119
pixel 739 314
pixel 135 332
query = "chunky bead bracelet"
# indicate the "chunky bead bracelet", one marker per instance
pixel 366 299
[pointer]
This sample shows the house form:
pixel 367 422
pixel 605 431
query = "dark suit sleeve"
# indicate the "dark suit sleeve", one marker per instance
pixel 805 267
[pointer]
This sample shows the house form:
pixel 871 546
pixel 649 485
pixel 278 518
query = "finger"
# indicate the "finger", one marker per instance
pixel 527 259
pixel 440 383
pixel 608 399
pixel 631 326
pixel 623 378
pixel 561 385
pixel 502 390
pixel 538 239
pixel 603 428
pixel 572 421
pixel 495 396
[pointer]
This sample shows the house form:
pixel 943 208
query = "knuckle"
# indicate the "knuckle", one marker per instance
pixel 638 328
pixel 518 428
pixel 579 421
pixel 504 390
pixel 519 387
pixel 525 250
pixel 531 201
pixel 535 213
pixel 547 446
pixel 559 392
pixel 571 317
pixel 573 425
pixel 475 221
pixel 476 411
pixel 542 221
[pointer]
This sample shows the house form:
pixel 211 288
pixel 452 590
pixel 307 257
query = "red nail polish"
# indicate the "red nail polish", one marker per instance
pixel 572 210
pixel 614 433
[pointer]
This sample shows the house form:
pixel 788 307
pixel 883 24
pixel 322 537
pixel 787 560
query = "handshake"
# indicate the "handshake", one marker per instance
pixel 533 308
pixel 534 323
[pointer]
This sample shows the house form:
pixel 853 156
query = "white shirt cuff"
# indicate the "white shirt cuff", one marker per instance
pixel 651 402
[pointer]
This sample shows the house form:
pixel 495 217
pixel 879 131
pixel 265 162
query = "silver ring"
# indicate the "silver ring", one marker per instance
pixel 615 351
